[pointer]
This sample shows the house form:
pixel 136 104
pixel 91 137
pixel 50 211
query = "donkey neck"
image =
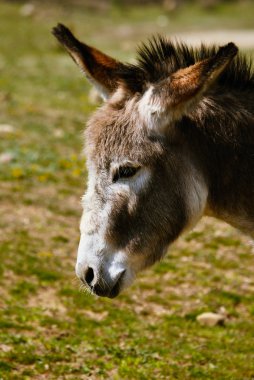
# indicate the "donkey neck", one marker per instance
pixel 224 129
pixel 231 189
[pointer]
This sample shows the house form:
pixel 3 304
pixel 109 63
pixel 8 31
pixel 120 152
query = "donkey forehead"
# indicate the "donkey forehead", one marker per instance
pixel 115 134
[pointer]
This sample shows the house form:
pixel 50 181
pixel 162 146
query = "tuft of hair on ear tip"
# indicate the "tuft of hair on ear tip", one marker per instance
pixel 228 51
pixel 63 35
pixel 59 30
pixel 220 60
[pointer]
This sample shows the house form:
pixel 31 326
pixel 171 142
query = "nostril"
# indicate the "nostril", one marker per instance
pixel 89 276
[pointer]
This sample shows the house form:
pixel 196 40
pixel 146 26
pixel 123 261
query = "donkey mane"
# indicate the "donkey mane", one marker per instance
pixel 161 57
pixel 229 100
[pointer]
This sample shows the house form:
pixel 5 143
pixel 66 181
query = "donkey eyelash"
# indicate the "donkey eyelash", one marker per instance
pixel 125 172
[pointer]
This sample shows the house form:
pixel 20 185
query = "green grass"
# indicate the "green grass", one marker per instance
pixel 48 327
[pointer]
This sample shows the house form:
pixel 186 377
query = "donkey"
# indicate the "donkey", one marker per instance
pixel 173 141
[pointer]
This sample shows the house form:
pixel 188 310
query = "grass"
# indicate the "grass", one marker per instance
pixel 48 327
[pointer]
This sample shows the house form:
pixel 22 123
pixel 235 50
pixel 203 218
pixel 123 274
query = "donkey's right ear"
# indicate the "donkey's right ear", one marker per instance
pixel 99 68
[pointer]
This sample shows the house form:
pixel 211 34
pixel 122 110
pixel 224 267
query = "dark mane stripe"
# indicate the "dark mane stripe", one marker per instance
pixel 160 57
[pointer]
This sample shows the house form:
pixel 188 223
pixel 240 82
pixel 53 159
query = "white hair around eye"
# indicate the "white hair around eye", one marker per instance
pixel 130 181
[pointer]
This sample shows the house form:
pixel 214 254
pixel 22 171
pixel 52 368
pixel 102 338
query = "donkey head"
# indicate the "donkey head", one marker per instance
pixel 145 183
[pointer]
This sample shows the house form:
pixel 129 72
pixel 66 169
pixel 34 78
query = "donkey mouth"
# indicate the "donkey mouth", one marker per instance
pixel 105 291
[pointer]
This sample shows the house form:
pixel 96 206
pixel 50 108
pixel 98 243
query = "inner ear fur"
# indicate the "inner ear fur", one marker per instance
pixel 187 85
pixel 191 81
pixel 98 67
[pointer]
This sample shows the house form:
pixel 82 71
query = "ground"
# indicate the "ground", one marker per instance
pixel 50 327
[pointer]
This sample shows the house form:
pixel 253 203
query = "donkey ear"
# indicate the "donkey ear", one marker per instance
pixel 183 89
pixel 187 84
pixel 99 68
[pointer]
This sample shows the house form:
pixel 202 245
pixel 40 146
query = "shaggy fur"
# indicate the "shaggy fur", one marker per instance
pixel 185 118
pixel 160 58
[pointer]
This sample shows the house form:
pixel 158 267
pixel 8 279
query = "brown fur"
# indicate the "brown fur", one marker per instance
pixel 99 67
pixel 185 117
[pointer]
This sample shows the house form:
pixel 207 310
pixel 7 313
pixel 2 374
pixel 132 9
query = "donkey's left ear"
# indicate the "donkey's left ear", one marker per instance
pixel 173 97
pixel 99 68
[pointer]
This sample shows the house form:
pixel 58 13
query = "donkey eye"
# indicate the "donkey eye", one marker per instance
pixel 124 172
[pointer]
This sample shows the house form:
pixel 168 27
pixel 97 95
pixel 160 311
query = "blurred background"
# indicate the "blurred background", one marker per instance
pixel 50 328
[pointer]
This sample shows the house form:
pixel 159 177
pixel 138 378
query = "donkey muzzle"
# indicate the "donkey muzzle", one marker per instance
pixel 100 284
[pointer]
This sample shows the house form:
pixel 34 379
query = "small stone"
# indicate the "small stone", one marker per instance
pixel 6 128
pixel 5 158
pixel 211 319
pixel 5 348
